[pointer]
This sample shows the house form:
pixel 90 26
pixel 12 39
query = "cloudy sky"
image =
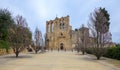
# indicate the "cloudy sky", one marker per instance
pixel 37 12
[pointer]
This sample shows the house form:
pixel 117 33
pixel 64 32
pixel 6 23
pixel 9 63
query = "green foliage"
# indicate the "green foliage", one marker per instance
pixel 89 50
pixel 113 52
pixel 4 45
pixel 5 22
pixel 107 16
pixel 101 20
pixel 13 32
pixel 105 13
pixel 97 51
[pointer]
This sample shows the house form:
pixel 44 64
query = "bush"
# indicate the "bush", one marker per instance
pixel 4 45
pixel 113 52
pixel 89 50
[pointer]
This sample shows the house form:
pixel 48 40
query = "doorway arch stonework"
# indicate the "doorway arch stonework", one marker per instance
pixel 61 46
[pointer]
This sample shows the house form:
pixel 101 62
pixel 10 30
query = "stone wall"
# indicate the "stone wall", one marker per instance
pixel 10 51
pixel 58 33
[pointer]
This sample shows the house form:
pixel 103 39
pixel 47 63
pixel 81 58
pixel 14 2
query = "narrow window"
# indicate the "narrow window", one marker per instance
pixel 60 25
pixel 52 27
pixel 48 27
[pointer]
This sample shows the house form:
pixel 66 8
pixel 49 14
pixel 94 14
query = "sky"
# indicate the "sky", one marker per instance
pixel 37 12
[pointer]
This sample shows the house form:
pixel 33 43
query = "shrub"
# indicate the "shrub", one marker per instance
pixel 89 50
pixel 4 45
pixel 113 52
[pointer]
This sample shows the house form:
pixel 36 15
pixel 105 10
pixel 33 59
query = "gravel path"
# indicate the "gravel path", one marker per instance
pixel 53 61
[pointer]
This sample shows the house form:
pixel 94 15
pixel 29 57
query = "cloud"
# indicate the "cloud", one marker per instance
pixel 13 9
pixel 47 9
pixel 37 12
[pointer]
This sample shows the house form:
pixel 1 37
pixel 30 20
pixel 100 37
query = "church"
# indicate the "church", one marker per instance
pixel 59 34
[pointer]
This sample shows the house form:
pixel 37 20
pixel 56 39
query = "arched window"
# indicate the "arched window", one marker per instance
pixel 52 27
pixel 48 27
pixel 62 25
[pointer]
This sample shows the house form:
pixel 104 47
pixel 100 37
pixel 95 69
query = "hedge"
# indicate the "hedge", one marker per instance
pixel 111 52
pixel 4 45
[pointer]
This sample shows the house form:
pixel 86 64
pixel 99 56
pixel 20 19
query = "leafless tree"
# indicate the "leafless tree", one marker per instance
pixel 98 26
pixel 38 40
pixel 78 42
pixel 20 35
pixel 83 40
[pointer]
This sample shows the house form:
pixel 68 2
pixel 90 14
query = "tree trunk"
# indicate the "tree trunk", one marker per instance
pixel 16 53
pixel 78 50
pixel 98 57
pixel 36 51
pixel 83 52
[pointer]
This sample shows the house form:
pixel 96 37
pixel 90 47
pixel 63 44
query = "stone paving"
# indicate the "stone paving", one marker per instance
pixel 53 61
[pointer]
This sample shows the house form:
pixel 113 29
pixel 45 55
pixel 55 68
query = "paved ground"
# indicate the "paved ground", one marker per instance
pixel 53 61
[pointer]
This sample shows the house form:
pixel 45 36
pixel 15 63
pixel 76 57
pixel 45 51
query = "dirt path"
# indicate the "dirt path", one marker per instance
pixel 53 61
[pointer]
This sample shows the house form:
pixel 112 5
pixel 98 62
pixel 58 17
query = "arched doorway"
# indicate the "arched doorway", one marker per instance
pixel 61 46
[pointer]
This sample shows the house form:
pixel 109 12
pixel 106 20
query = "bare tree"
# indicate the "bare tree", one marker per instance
pixel 82 35
pixel 99 25
pixel 38 40
pixel 20 36
pixel 83 39
pixel 78 42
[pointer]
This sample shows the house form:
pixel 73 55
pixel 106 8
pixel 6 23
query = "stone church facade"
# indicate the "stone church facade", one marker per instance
pixel 59 34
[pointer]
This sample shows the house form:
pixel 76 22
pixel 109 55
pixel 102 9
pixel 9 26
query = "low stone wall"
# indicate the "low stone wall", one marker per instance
pixel 2 51
pixel 10 51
